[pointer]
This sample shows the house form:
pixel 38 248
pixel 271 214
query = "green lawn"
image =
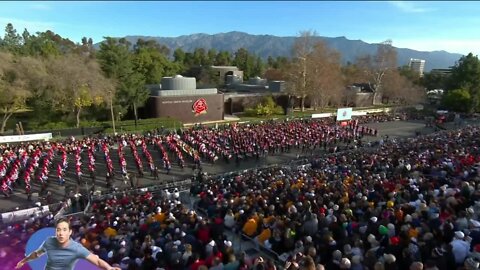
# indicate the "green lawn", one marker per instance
pixel 306 114
pixel 144 125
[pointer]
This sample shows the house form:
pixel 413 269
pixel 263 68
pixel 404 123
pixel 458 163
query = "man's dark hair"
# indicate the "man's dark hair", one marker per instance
pixel 63 219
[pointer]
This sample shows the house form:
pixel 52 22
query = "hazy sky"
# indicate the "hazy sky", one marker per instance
pixel 426 26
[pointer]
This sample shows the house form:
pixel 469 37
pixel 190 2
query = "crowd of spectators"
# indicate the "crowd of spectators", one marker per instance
pixel 140 231
pixel 411 204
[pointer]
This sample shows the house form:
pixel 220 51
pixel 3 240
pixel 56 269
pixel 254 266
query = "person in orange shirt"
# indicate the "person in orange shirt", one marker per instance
pixel 110 232
pixel 268 220
pixel 413 233
pixel 399 214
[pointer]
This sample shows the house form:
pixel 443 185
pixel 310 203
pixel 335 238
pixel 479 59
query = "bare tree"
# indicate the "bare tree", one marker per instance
pixel 351 74
pixel 274 75
pixel 376 67
pixel 297 72
pixel 325 76
pixel 400 89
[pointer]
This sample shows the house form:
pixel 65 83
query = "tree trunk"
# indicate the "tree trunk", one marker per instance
pixel 374 101
pixel 475 100
pixel 323 104
pixel 6 116
pixel 135 113
pixel 113 117
pixel 78 117
pixel 302 103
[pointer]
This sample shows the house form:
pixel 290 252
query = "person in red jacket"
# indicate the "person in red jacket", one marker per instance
pixel 197 262
pixel 203 233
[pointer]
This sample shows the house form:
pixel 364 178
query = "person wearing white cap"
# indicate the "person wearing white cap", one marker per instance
pixel 416 266
pixel 474 223
pixel 345 263
pixel 227 243
pixel 155 250
pixel 459 235
pixel 460 248
pixel 389 259
pixel 372 225
pixel 408 218
pixel 209 247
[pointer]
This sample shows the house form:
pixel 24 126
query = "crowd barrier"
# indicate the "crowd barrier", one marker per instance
pixel 67 132
pixel 230 173
pixel 19 215
pixel 181 185
pixel 63 209
pixel 26 138
pixel 68 213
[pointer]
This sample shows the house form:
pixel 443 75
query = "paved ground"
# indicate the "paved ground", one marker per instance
pixel 19 199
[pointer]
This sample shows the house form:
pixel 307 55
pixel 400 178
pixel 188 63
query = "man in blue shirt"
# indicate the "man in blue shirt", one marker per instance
pixel 63 252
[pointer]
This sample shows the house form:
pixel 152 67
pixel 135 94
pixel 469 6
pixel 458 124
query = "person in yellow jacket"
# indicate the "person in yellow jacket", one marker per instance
pixel 110 232
pixel 250 227
pixel 264 235
pixel 160 216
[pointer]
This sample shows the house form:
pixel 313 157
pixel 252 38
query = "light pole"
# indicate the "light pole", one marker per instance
pixel 111 111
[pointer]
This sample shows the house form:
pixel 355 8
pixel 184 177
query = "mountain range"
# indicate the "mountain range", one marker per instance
pixel 269 45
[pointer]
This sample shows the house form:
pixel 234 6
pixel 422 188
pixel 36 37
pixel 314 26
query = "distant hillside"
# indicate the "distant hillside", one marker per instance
pixel 268 45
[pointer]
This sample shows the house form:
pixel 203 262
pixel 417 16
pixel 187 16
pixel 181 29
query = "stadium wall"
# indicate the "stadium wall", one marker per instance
pixel 187 109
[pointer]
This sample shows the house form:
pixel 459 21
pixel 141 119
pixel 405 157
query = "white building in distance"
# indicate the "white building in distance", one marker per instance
pixel 417 65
